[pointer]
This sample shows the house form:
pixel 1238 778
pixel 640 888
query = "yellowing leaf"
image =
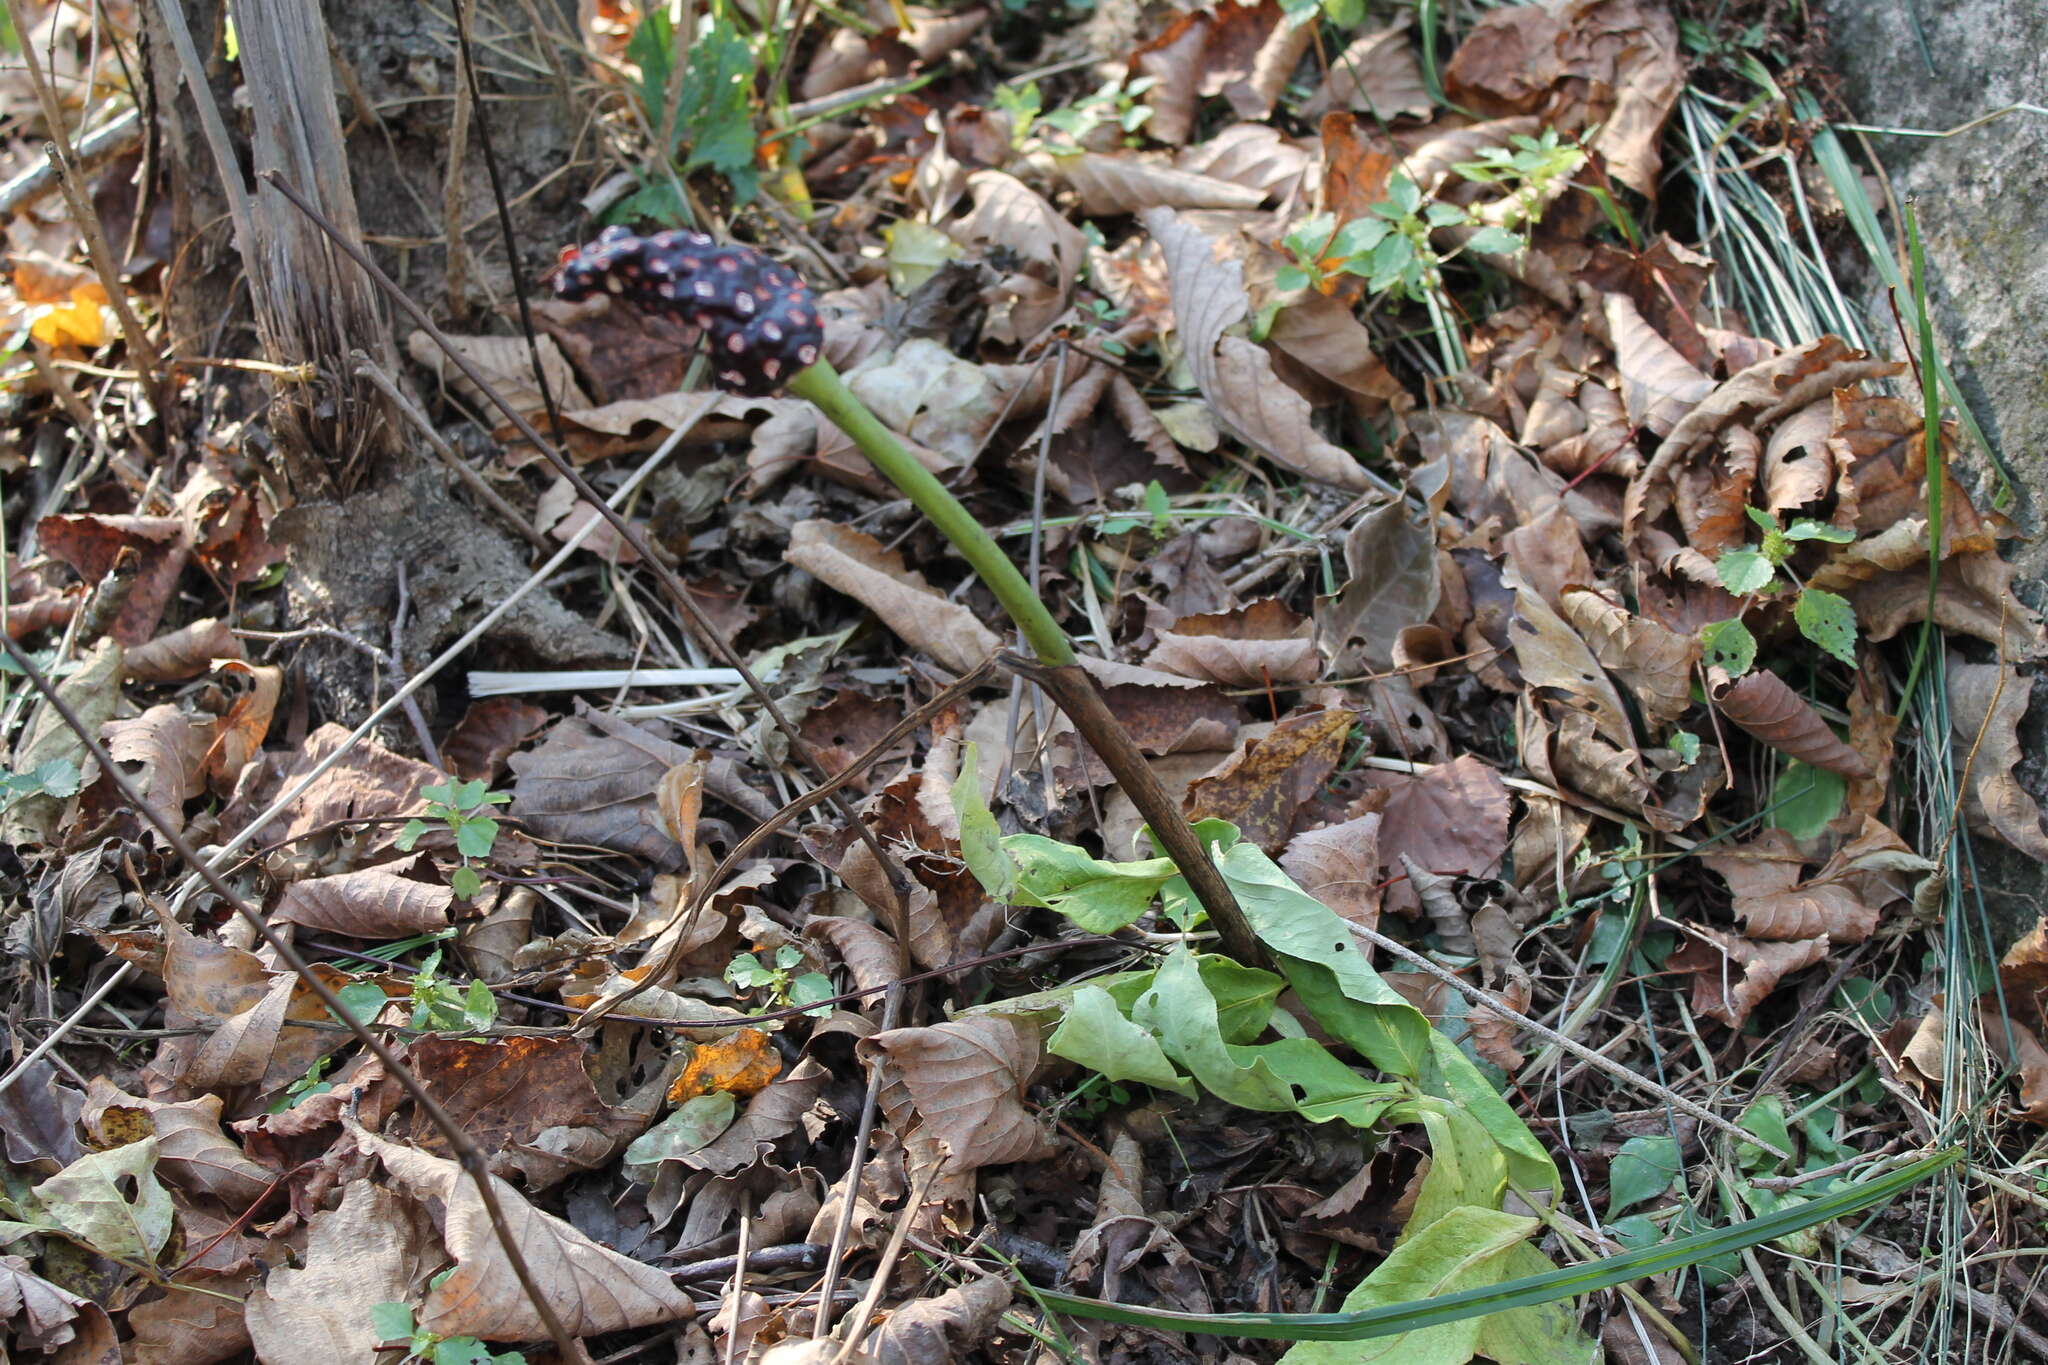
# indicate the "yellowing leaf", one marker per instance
pixel 741 1065
pixel 80 320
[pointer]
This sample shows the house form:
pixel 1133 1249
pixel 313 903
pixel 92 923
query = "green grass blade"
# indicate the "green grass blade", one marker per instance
pixel 1532 1289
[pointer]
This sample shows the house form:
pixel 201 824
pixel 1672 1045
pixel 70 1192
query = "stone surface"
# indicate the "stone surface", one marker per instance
pixel 1982 202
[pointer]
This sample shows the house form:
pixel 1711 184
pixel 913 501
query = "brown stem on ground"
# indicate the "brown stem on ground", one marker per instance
pixel 1076 695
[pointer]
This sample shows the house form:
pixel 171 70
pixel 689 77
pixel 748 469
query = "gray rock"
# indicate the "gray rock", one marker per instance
pixel 1982 201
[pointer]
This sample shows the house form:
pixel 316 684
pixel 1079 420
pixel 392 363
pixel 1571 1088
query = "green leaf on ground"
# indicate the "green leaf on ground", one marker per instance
pixel 1098 896
pixel 1643 1169
pixel 1745 571
pixel 1829 621
pixel 981 842
pixel 1096 1034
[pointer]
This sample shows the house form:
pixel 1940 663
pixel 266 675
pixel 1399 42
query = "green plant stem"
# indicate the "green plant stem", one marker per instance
pixel 1058 669
pixel 822 386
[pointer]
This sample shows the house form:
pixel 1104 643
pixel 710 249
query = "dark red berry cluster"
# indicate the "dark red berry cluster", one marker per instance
pixel 760 318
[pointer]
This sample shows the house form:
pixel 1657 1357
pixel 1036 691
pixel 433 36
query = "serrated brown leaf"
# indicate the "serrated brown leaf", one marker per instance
pixel 1261 787
pixel 1766 707
pixel 371 902
pixel 1235 375
pixel 1655 663
pixel 964 1080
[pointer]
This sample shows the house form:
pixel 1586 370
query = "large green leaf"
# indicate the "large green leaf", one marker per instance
pixel 1465 1250
pixel 1466 1166
pixel 1101 897
pixel 1096 1034
pixel 1643 1169
pixel 1522 1291
pixel 1295 1075
pixel 1451 1075
pixel 981 843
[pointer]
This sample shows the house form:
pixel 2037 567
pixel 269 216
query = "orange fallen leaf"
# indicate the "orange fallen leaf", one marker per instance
pixel 741 1065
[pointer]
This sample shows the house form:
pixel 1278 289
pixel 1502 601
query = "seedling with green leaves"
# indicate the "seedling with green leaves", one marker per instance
pixel 778 976
pixel 461 807
pixel 448 1006
pixel 393 1321
pixel 1753 571
pixel 58 777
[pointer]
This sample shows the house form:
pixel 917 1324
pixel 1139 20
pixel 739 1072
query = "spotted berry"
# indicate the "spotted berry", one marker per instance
pixel 760 319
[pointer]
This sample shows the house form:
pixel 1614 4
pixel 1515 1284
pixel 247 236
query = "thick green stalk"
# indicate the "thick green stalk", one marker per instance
pixel 1058 670
pixel 823 387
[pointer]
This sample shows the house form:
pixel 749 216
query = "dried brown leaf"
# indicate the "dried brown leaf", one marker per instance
pixel 1255 155
pixel 1234 374
pixel 770 1116
pixel 857 565
pixel 170 751
pixel 939 1330
pixel 490 731
pixel 1263 786
pixel 152 550
pixel 508 365
pixel 1260 645
pixel 1765 706
pixel 1731 975
pixel 1010 214
pixel 1658 384
pixel 1391 560
pixel 1655 663
pixel 183 653
pixel 1376 74
pixel 591 1289
pixel 1340 866
pixel 199 1321
pixel 1127 184
pixel 371 902
pixel 375 1248
pixel 1451 820
pixel 1552 656
pixel 1986 703
pixel 964 1080
pixel 193 1153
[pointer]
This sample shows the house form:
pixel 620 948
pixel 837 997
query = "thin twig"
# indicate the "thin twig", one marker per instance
pixel 468 1153
pixel 843 1227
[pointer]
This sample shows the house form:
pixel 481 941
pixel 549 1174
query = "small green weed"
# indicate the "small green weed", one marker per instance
pixel 1824 618
pixel 393 1321
pixel 777 975
pixel 460 806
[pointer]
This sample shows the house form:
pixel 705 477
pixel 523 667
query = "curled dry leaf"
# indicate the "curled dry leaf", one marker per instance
pixel 171 753
pixel 1654 662
pixel 1128 184
pixel 1986 702
pixel 965 1081
pixel 1776 902
pixel 1765 706
pixel 1262 786
pixel 770 1116
pixel 1264 644
pixel 591 1288
pixel 151 549
pixel 1552 656
pixel 183 653
pixel 508 365
pixel 371 902
pixel 1234 374
pixel 1658 384
pixel 857 565
pixel 1732 975
pixel 490 731
pixel 239 736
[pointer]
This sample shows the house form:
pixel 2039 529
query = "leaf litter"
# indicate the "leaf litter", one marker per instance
pixel 1478 584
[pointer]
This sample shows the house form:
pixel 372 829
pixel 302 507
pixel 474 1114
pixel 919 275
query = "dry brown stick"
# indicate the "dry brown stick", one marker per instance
pixel 467 1152
pixel 1076 694
pixel 799 747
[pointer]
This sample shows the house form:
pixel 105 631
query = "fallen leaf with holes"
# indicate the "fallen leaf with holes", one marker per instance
pixel 857 565
pixel 170 752
pixel 1261 787
pixel 1234 374
pixel 193 1153
pixel 743 1065
pixel 1393 583
pixel 1732 975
